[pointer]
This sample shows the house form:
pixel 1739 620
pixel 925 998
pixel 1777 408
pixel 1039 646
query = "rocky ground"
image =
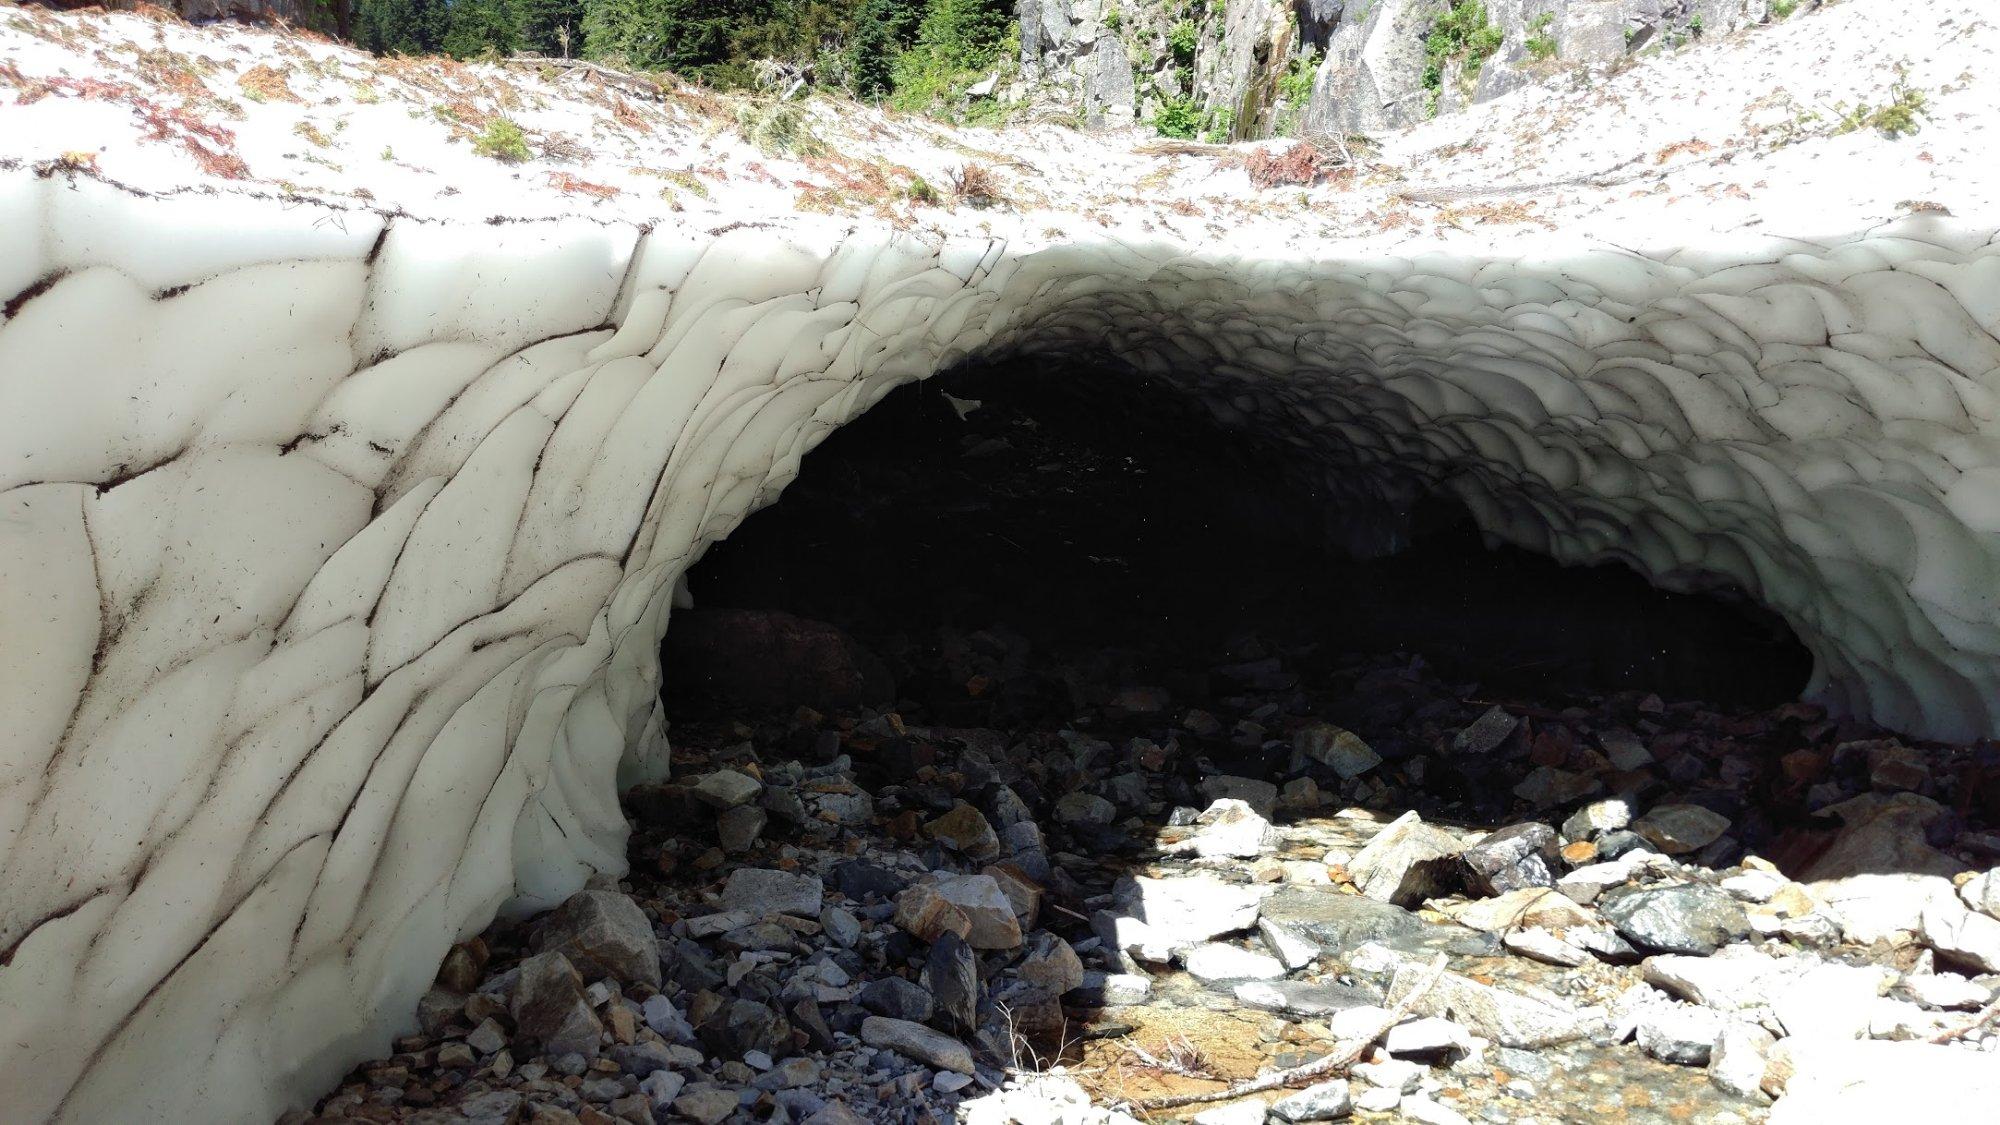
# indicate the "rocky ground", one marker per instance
pixel 1148 888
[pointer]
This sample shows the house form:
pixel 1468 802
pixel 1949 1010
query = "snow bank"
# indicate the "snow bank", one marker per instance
pixel 335 550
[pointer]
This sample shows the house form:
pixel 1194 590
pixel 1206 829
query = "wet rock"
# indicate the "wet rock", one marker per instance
pixel 1690 918
pixel 952 974
pixel 603 934
pixel 918 1042
pixel 1512 1019
pixel 1338 749
pixel 1682 1034
pixel 1327 1101
pixel 548 1006
pixel 897 998
pixel 1407 862
pixel 1681 829
pixel 966 830
pixel 1287 943
pixel 1510 859
pixel 1305 998
pixel 765 891
pixel 1486 733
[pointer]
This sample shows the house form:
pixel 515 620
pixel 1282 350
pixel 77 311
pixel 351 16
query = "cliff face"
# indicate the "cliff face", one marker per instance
pixel 1258 68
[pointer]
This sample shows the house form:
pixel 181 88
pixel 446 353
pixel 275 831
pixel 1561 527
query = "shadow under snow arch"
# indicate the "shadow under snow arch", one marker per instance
pixel 336 548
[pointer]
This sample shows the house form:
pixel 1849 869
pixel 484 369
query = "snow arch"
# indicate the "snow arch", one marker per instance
pixel 335 548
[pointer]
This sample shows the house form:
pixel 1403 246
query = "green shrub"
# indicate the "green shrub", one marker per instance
pixel 1540 44
pixel 1462 34
pixel 1178 117
pixel 1783 9
pixel 1295 87
pixel 1181 40
pixel 503 141
pixel 1898 117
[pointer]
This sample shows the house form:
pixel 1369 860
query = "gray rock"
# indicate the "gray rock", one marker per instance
pixel 1407 862
pixel 918 1042
pixel 661 1087
pixel 1597 818
pixel 1510 859
pixel 548 1007
pixel 897 998
pixel 1735 979
pixel 1212 962
pixel 1328 1101
pixel 952 972
pixel 1427 1037
pixel 1051 963
pixel 764 891
pixel 742 1026
pixel 1512 1019
pixel 1682 1034
pixel 1689 918
pixel 1736 1061
pixel 1085 808
pixel 1304 998
pixel 1231 829
pixel 1338 749
pixel 1287 943
pixel 965 829
pixel 603 934
pixel 1962 936
pixel 706 1104
pixel 1336 921
pixel 986 907
pixel 488 1038
pixel 1154 917
pixel 1486 733
pixel 1111 990
pixel 1681 829
pixel 841 926
pixel 727 789
pixel 737 830
pixel 1259 795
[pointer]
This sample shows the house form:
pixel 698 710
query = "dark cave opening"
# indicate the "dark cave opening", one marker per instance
pixel 1080 514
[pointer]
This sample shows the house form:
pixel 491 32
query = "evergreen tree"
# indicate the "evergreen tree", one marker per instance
pixel 880 29
pixel 476 27
pixel 548 25
pixel 402 27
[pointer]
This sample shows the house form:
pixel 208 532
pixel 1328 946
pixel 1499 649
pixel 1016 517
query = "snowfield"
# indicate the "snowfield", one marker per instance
pixel 346 474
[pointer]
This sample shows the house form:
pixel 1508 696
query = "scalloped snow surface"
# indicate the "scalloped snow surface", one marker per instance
pixel 336 546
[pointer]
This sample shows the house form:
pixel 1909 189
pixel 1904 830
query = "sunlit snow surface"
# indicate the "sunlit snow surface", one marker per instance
pixel 335 549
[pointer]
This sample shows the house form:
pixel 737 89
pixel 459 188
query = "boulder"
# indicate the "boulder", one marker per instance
pixel 1690 918
pixel 1407 862
pixel 603 934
